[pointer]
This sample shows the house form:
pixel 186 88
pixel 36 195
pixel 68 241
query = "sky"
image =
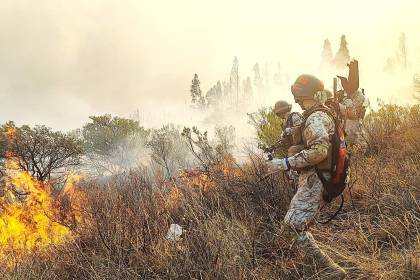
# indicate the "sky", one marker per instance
pixel 62 61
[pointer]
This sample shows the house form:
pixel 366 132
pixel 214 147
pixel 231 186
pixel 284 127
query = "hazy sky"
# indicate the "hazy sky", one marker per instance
pixel 61 61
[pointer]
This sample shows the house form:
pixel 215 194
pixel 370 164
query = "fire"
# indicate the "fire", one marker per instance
pixel 200 180
pixel 196 179
pixel 227 167
pixel 30 217
pixel 173 198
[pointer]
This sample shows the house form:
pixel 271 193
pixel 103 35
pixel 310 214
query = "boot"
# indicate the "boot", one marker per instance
pixel 327 267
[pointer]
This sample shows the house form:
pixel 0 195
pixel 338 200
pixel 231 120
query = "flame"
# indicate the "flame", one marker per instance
pixel 199 180
pixel 173 198
pixel 196 179
pixel 227 167
pixel 73 204
pixel 30 218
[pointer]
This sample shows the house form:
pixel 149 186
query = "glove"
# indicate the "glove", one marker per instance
pixel 281 163
pixel 268 156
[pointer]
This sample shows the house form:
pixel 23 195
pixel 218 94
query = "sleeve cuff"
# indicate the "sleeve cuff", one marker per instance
pixel 287 163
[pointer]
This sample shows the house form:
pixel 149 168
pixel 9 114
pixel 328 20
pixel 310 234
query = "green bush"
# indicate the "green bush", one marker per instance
pixel 268 127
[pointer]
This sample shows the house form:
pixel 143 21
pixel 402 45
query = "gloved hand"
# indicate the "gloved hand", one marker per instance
pixel 279 164
pixel 268 156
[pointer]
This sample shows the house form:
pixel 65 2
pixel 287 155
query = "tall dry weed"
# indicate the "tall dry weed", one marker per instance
pixel 231 217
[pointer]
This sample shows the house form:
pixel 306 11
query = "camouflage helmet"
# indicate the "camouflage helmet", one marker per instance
pixel 306 86
pixel 281 107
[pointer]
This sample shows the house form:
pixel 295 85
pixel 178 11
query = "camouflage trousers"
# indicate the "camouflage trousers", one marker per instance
pixel 303 210
pixel 307 201
pixel 293 178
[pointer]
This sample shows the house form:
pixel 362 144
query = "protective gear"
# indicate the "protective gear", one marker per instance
pixel 307 201
pixel 328 268
pixel 295 119
pixel 282 107
pixel 354 107
pixel 306 86
pixel 290 137
pixel 293 177
pixel 293 150
pixel 354 132
pixel 281 163
pixel 317 130
pixel 291 134
pixel 268 155
pixel 337 160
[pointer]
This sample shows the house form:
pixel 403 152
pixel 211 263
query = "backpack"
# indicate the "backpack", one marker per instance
pixel 289 120
pixel 340 156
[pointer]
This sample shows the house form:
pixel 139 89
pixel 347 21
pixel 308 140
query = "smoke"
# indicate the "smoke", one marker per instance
pixel 61 61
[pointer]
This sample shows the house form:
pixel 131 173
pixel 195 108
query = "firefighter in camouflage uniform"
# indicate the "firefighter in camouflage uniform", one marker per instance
pixel 290 137
pixel 314 154
pixel 355 105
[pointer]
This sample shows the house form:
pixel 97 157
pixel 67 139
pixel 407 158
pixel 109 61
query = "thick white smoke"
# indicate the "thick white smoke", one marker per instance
pixel 61 61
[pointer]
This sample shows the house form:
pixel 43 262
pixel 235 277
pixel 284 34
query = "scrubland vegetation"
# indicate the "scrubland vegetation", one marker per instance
pixel 231 213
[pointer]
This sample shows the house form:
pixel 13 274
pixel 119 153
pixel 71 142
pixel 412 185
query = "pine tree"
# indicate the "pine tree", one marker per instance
pixel 219 90
pixel 326 56
pixel 226 89
pixel 342 57
pixel 201 102
pixel 402 51
pixel 247 85
pixel 389 66
pixel 258 80
pixel 197 98
pixel 211 96
pixel 234 79
pixel 214 95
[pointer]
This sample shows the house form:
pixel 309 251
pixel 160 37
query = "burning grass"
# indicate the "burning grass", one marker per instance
pixel 28 223
pixel 32 219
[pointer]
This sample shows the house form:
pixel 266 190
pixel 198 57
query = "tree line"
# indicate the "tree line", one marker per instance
pixel 236 91
pixel 109 145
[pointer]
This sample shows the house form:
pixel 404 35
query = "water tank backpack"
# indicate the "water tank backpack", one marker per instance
pixel 340 157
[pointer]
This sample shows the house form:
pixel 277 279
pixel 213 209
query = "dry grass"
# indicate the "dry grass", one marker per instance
pixel 231 218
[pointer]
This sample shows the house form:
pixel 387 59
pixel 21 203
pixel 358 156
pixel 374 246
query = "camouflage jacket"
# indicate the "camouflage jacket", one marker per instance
pixel 355 105
pixel 291 128
pixel 291 133
pixel 294 119
pixel 316 134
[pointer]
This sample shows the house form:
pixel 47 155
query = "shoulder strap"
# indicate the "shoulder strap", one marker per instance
pixel 289 120
pixel 320 108
pixel 336 212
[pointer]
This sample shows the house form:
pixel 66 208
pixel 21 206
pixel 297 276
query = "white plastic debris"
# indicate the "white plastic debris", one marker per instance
pixel 174 232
